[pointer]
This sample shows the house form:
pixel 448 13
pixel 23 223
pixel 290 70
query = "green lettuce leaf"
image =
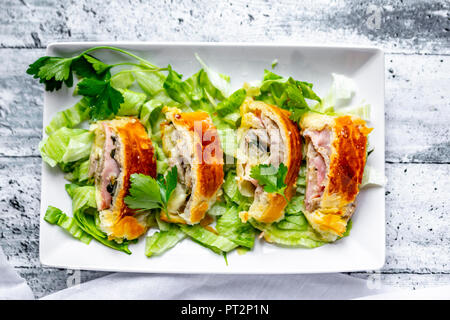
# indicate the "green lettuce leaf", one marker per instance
pixel 177 89
pixel 163 240
pixel 231 190
pixel 218 209
pixel 80 173
pixel 208 239
pixel 122 80
pixel 230 226
pixel 85 213
pixel 79 147
pixel 231 104
pixel 219 81
pixel 56 216
pixel 132 102
pixel 306 238
pixel 66 145
pixel 287 93
pixel 69 118
pixel 150 82
pixel 151 115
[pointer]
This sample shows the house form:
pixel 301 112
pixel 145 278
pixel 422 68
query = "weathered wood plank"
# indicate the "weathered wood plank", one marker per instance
pixel 417 107
pixel 405 26
pixel 405 281
pixel 44 281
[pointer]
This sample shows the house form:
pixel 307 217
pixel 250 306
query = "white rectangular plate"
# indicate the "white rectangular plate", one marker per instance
pixel 364 249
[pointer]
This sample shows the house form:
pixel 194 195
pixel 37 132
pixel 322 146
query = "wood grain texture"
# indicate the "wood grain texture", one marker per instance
pixel 399 26
pixel 415 35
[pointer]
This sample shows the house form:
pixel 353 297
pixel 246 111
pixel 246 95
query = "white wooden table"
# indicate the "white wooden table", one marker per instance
pixel 414 34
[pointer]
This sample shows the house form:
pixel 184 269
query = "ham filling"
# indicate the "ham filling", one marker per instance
pixel 110 171
pixel 318 161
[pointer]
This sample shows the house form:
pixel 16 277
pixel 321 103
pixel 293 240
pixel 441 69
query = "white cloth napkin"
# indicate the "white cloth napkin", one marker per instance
pixel 181 286
pixel 11 285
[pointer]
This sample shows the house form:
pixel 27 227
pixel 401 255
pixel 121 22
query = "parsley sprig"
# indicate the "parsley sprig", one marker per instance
pixel 104 100
pixel 147 193
pixel 270 178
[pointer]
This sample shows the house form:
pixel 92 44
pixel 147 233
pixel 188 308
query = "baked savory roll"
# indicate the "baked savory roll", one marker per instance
pixel 121 148
pixel 335 157
pixel 266 136
pixel 191 143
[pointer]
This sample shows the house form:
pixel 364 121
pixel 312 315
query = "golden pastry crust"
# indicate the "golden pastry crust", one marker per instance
pixel 136 156
pixel 207 166
pixel 348 158
pixel 346 167
pixel 272 208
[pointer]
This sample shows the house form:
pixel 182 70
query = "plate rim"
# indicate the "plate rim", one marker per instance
pixel 374 264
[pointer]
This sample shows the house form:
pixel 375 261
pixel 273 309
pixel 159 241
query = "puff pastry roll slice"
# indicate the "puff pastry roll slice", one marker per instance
pixel 335 156
pixel 191 143
pixel 266 136
pixel 121 148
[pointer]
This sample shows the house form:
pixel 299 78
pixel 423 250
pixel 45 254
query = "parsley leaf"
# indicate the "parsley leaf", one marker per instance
pixel 104 100
pixel 144 193
pixel 167 185
pixel 86 66
pixel 271 178
pixel 54 71
pixel 148 193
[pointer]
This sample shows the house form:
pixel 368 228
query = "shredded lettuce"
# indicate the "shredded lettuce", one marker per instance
pixel 150 82
pixel 122 80
pixel 85 213
pixel 66 145
pixel 228 141
pixel 151 115
pixel 230 226
pixel 132 102
pixel 288 237
pixel 339 99
pixel 163 240
pixel 296 205
pixel 71 117
pixel 219 81
pixel 231 190
pixel 70 188
pixel 218 209
pixel 56 216
pixel 208 239
pixel 372 177
pixel 293 222
pixel 80 173
pixel 232 104
pixel 79 147
pixel 196 92
pixel 287 93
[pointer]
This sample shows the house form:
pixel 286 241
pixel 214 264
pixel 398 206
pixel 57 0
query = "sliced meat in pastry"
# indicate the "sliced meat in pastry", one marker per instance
pixel 192 144
pixel 266 136
pixel 336 156
pixel 121 148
